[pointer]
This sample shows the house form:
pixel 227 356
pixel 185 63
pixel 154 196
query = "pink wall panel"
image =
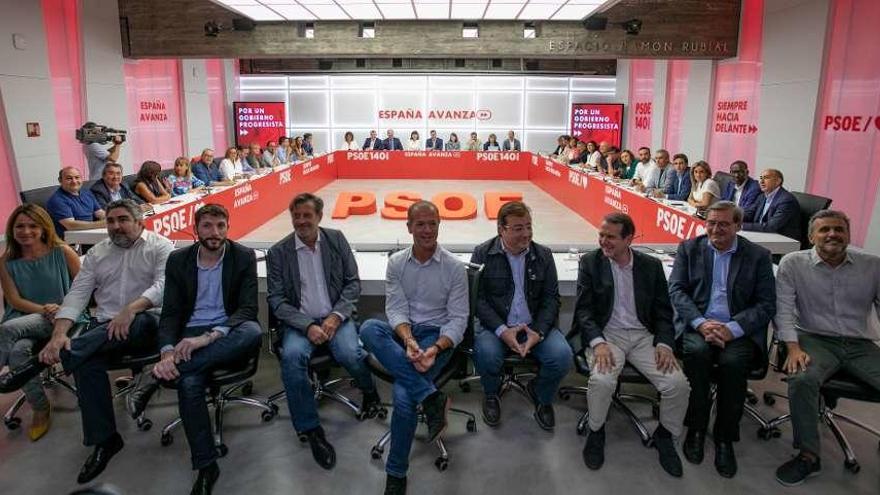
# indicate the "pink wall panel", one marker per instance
pixel 155 123
pixel 846 146
pixel 61 23
pixel 733 115
pixel 8 189
pixel 641 104
pixel 217 101
pixel 676 96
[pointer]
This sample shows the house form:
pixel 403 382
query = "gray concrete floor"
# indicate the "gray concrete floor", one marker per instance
pixel 517 458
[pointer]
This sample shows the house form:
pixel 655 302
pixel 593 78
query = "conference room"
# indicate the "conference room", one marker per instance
pixel 439 246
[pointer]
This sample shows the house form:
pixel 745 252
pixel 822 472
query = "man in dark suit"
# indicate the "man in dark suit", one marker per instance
pixel 518 309
pixel 678 184
pixel 776 210
pixel 624 315
pixel 392 143
pixel 434 143
pixel 373 142
pixel 724 295
pixel 511 143
pixel 110 187
pixel 209 319
pixel 743 190
pixel 313 288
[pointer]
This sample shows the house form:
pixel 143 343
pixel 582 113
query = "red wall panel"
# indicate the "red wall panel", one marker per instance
pixel 641 104
pixel 155 123
pixel 217 101
pixel 676 95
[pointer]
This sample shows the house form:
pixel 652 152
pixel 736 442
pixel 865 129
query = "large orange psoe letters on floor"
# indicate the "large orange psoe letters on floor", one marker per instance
pixel 451 204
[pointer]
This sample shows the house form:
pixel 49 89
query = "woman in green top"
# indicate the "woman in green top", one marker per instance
pixel 629 164
pixel 35 273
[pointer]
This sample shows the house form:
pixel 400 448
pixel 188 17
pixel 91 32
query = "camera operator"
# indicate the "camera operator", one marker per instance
pixel 99 154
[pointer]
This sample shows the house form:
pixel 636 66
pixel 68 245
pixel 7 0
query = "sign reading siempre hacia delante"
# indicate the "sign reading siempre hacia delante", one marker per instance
pixel 258 122
pixel 598 122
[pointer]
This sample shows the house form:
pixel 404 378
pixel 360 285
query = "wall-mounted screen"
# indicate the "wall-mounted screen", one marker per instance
pixel 598 122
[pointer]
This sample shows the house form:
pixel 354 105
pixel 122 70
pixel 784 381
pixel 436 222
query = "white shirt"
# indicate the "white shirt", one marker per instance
pixel 642 170
pixel 623 313
pixel 595 159
pixel 313 297
pixel 413 145
pixel 737 192
pixel 351 146
pixel 708 186
pixel 118 276
pixel 227 168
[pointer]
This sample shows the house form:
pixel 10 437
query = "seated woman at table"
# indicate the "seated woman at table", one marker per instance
pixel 349 143
pixel 704 189
pixel 561 143
pixel 148 186
pixel 628 160
pixel 227 164
pixel 299 154
pixel 452 144
pixel 414 143
pixel 492 144
pixel 284 149
pixel 474 143
pixel 35 273
pixel 595 159
pixel 182 180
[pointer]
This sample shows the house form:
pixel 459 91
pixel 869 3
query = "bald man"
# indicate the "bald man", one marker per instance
pixel 70 207
pixel 775 210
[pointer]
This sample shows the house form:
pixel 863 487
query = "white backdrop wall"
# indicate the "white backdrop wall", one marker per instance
pixel 536 108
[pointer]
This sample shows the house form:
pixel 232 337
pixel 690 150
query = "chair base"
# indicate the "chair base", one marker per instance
pixel 510 380
pixel 617 400
pixel 51 379
pixel 220 400
pixel 442 460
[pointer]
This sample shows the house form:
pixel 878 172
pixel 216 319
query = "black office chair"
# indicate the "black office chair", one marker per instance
pixel 323 386
pixel 51 378
pixel 451 370
pixel 842 385
pixel 809 204
pixel 136 363
pixel 222 387
pixel 722 178
pixel 39 196
pixel 629 375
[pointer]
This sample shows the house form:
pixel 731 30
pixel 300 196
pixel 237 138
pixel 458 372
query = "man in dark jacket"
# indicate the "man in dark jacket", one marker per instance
pixel 724 295
pixel 624 315
pixel 776 210
pixel 518 308
pixel 209 319
pixel 110 187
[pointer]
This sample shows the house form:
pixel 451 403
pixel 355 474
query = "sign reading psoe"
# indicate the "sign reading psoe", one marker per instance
pixel 452 205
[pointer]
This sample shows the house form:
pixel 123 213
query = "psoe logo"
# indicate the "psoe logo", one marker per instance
pixel 284 177
pixel 484 114
pixel 496 156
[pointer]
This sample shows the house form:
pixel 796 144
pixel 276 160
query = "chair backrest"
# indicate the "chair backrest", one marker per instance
pixel 474 272
pixel 39 196
pixel 809 204
pixel 722 178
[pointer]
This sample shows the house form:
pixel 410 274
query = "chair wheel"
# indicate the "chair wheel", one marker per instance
pixel 222 450
pixel 145 424
pixel 564 395
pixel 166 440
pixel 471 425
pixel 376 452
pixel 13 423
pixel 852 467
pixel 267 416
pixel 441 464
pixel 382 414
pixel 752 399
pixel 465 387
pixel 303 438
pixel 768 433
pixel 769 400
pixel 247 389
pixel 581 430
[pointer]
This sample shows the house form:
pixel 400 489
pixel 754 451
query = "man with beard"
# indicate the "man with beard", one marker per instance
pixel 209 319
pixel 126 274
pixel 825 298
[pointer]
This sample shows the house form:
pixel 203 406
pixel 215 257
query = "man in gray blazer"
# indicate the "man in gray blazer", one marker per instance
pixel 313 288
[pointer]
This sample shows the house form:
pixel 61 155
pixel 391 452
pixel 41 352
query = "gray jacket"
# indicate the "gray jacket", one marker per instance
pixel 340 274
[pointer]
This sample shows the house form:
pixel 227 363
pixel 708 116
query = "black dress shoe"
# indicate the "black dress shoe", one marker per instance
pixel 322 451
pixel 694 445
pixel 205 482
pixel 102 454
pixel 544 414
pixel 725 459
pixel 492 410
pixel 395 485
pixel 138 398
pixel 14 379
pixel 669 460
pixel 371 404
pixel 594 449
pixel 435 408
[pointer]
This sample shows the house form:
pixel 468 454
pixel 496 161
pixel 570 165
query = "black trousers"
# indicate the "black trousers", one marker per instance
pixel 89 359
pixel 734 361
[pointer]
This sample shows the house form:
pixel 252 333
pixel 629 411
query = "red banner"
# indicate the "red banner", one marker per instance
pixel 448 165
pixel 258 122
pixel 597 122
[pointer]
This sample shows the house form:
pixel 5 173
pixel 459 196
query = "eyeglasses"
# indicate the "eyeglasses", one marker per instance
pixel 518 229
pixel 712 224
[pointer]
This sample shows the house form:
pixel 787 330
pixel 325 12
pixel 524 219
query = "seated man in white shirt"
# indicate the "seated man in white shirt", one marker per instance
pixel 643 166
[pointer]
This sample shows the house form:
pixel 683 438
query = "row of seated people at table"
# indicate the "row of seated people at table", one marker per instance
pixel 721 297
pixel 767 205
pixel 433 143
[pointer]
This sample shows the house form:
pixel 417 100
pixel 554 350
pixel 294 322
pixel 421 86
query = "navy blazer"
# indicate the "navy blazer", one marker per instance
pixel 392 144
pixel 378 145
pixel 438 144
pixel 674 191
pixel 595 297
pixel 750 193
pixel 751 287
pixel 102 193
pixel 783 217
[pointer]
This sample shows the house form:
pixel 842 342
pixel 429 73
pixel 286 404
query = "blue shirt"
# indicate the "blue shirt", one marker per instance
pixel 718 309
pixel 519 307
pixel 307 147
pixel 209 310
pixel 207 173
pixel 63 205
pixel 768 199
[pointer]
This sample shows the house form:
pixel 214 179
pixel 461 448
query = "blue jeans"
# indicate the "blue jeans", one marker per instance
pixel 553 354
pixel 241 341
pixel 410 386
pixel 295 354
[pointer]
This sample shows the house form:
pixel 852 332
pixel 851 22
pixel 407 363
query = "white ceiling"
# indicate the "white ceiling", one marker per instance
pixel 472 10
